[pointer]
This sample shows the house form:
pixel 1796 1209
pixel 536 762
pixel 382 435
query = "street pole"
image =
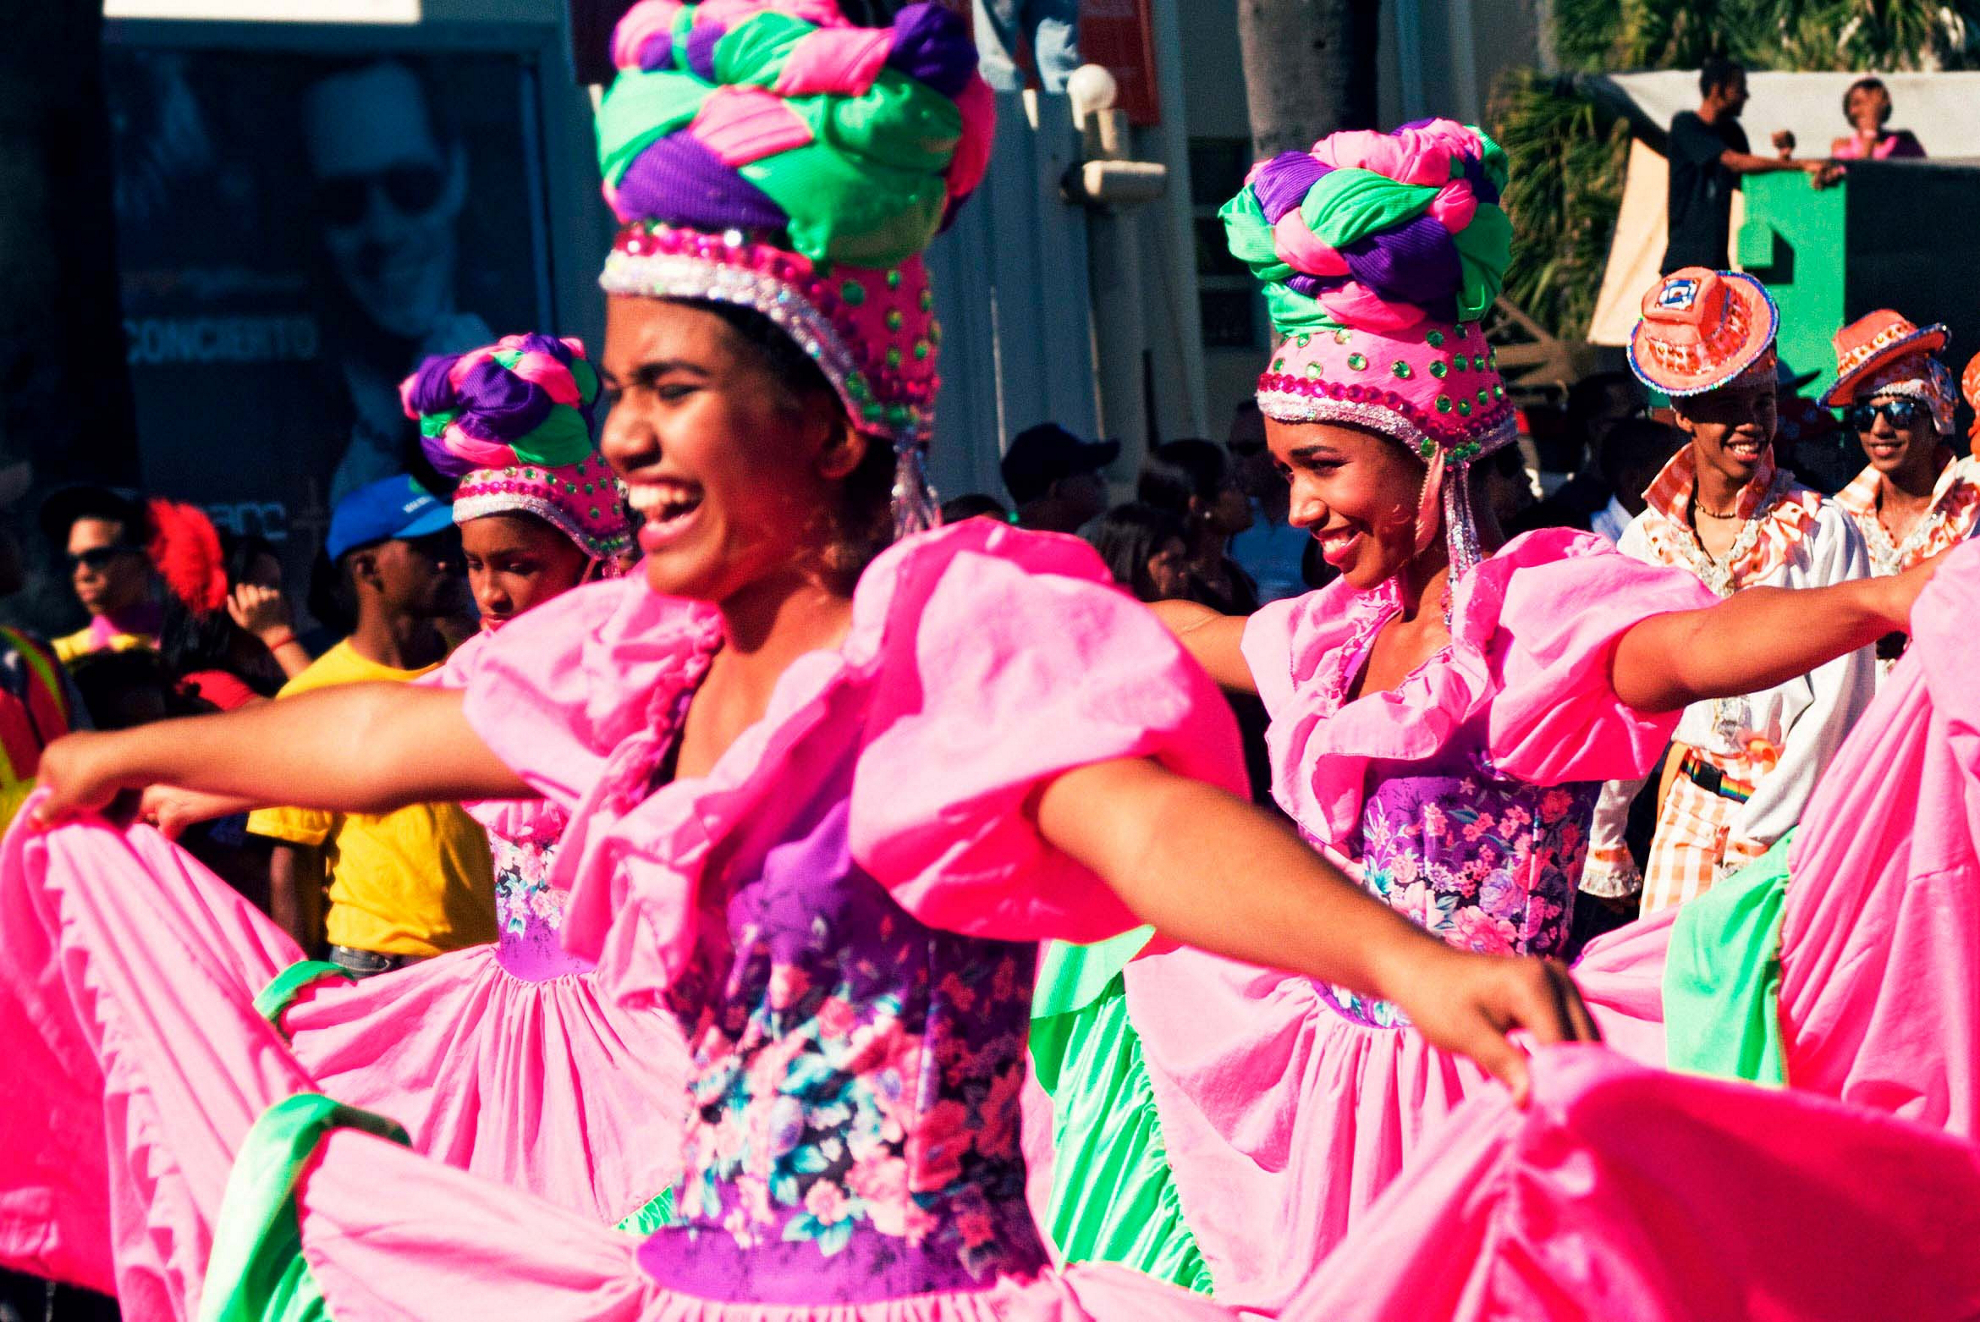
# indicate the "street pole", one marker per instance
pixel 1111 185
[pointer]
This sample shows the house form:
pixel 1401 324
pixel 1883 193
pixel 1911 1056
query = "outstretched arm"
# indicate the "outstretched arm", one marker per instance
pixel 366 748
pixel 1214 872
pixel 1740 162
pixel 1215 640
pixel 1757 638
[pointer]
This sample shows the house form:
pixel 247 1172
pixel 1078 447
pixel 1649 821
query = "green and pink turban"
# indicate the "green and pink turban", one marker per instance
pixel 1380 254
pixel 512 423
pixel 775 156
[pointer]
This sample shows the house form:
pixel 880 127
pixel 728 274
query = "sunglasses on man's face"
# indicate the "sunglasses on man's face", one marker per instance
pixel 1901 413
pixel 98 558
pixel 413 190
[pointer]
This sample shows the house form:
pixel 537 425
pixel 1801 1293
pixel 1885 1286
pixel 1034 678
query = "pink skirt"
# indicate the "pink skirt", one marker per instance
pixel 539 1086
pixel 544 1086
pixel 1285 1121
pixel 1621 1193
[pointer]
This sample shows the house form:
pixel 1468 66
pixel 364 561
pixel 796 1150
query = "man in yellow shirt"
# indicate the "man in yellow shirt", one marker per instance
pixel 408 884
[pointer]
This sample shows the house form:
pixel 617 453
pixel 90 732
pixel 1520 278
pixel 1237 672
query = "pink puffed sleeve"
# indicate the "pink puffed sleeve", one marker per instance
pixel 1286 641
pixel 1564 600
pixel 1008 659
pixel 558 688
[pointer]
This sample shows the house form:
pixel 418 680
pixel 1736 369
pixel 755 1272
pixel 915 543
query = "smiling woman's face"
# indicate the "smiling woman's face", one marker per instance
pixel 736 477
pixel 1355 491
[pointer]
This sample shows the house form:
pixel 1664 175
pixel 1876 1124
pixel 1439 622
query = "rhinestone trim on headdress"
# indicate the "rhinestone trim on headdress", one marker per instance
pixel 872 332
pixel 522 490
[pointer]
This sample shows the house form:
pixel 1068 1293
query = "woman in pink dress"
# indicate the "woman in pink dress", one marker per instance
pixel 1867 107
pixel 1443 715
pixel 502 1042
pixel 514 1040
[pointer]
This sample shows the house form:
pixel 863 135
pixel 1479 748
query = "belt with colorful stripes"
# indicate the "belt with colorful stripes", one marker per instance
pixel 1712 780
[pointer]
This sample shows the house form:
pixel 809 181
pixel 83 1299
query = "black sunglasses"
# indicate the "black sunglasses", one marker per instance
pixel 414 190
pixel 1901 413
pixel 99 558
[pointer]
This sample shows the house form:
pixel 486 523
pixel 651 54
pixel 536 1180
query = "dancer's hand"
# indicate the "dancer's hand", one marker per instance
pixel 1469 1003
pixel 80 773
pixel 172 809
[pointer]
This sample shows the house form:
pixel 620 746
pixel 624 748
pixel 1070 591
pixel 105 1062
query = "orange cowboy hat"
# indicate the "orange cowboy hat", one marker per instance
pixel 1702 330
pixel 1871 343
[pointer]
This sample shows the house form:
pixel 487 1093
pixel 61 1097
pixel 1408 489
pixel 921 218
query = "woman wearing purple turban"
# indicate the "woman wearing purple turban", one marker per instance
pixel 510 1060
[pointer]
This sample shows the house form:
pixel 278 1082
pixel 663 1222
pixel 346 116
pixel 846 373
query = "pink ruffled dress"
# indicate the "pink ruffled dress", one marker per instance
pixel 1463 799
pixel 508 1060
pixel 840 918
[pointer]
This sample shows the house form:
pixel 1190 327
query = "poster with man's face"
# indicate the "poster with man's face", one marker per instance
pixel 295 232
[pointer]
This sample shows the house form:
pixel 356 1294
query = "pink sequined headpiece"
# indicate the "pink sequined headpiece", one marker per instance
pixel 511 422
pixel 580 500
pixel 873 333
pixel 1431 387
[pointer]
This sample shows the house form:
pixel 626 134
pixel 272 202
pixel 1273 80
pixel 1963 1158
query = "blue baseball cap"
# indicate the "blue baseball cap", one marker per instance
pixel 390 509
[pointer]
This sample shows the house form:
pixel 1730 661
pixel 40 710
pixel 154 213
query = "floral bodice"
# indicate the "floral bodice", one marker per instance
pixel 1487 862
pixel 853 1126
pixel 529 907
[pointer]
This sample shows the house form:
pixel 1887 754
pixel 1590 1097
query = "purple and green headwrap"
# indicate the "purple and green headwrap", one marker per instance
pixel 774 156
pixel 512 423
pixel 1380 253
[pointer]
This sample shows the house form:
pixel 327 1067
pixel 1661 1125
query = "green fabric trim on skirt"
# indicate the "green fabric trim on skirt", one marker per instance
pixel 653 1215
pixel 273 1000
pixel 1722 977
pixel 1113 1195
pixel 256 1272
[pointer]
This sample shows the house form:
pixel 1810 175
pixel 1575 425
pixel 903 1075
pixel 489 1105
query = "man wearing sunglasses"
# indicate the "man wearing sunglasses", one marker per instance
pixel 1916 498
pixel 388 186
pixel 102 536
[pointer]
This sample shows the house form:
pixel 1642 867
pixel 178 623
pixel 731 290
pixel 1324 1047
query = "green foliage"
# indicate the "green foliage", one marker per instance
pixel 1798 35
pixel 1568 157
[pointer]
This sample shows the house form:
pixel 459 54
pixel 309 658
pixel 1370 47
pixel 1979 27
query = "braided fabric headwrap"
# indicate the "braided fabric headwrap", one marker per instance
pixel 1379 254
pixel 772 155
pixel 512 424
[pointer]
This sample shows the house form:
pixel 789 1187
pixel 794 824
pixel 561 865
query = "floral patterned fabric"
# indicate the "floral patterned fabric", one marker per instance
pixel 529 907
pixel 1486 862
pixel 853 1130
